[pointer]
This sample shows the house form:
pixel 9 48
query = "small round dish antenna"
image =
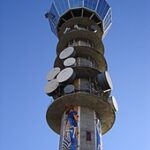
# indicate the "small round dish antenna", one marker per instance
pixel 69 89
pixel 69 62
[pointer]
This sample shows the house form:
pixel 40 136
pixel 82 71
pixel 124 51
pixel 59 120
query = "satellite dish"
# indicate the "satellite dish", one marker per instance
pixel 105 81
pixel 51 87
pixel 113 102
pixel 67 53
pixel 66 74
pixel 53 73
pixel 69 89
pixel 69 62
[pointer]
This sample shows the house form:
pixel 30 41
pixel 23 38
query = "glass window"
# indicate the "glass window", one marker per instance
pixel 108 16
pixel 88 136
pixel 54 14
pixel 107 22
pixel 107 26
pixel 101 6
pixel 90 4
pixel 76 3
pixel 62 6
pixel 52 27
pixel 105 10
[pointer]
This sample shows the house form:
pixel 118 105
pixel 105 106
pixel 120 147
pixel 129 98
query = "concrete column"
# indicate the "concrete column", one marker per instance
pixel 87 129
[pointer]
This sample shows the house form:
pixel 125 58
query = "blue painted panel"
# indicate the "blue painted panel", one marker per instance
pixel 54 14
pixel 76 3
pixel 62 6
pixel 100 7
pixel 52 27
pixel 90 4
pixel 105 10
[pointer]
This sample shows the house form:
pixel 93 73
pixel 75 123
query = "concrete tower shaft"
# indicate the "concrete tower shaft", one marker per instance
pixel 82 109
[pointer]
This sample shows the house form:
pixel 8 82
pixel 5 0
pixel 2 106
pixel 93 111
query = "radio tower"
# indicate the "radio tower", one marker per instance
pixel 83 108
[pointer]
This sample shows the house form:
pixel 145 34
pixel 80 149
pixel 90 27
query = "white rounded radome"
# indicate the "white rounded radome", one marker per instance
pixel 109 81
pixel 112 100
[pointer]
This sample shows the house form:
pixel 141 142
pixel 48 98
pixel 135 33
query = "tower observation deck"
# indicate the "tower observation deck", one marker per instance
pixel 83 108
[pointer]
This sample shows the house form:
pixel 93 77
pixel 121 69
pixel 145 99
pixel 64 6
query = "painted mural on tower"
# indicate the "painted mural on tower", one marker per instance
pixel 71 133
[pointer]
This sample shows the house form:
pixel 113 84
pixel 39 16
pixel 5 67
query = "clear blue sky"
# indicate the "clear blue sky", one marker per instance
pixel 27 53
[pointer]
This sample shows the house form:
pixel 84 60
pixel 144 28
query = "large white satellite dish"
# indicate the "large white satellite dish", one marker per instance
pixel 66 53
pixel 65 75
pixel 51 87
pixel 53 73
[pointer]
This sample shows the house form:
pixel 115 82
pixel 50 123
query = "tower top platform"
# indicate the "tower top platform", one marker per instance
pixel 63 10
